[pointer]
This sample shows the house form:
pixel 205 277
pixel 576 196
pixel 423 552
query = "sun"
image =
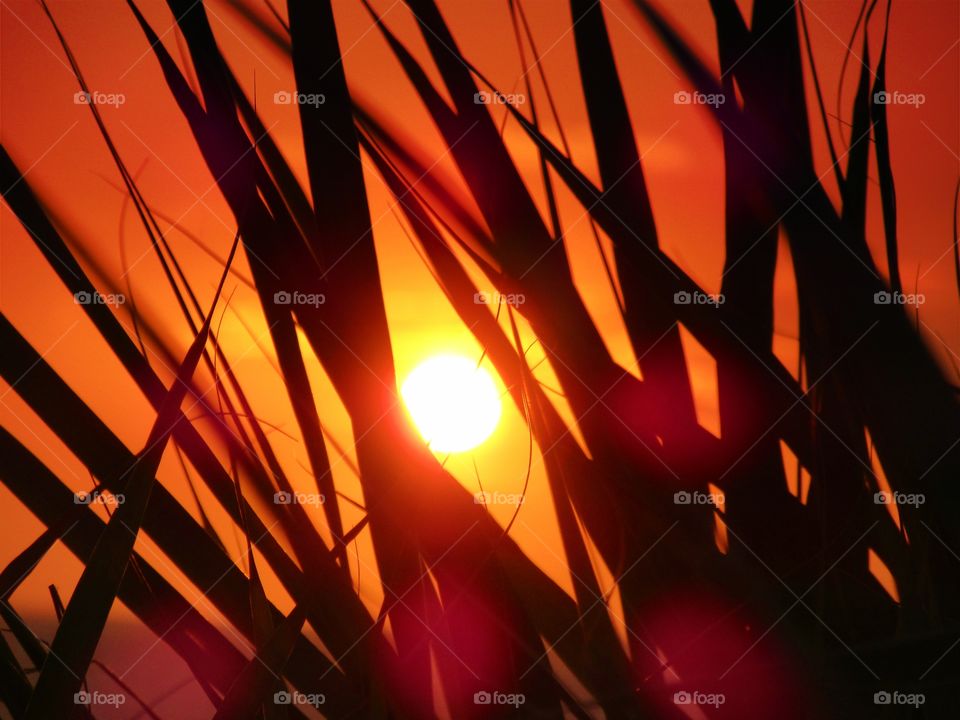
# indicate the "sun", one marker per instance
pixel 454 404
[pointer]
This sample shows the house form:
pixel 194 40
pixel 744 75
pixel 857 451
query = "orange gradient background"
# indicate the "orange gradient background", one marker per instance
pixel 67 164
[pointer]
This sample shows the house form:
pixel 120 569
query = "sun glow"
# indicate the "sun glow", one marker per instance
pixel 454 404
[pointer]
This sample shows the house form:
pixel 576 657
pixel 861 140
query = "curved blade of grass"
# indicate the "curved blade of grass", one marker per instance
pixel 14 686
pixel 821 105
pixel 21 200
pixel 881 134
pixel 712 326
pixel 20 567
pixel 129 691
pixel 211 657
pixel 653 332
pixel 522 244
pixel 757 502
pixel 261 614
pixel 86 614
pixel 854 192
pixel 300 394
pixel 244 180
pixel 565 456
pixel 21 631
pixel 254 687
pixel 838 285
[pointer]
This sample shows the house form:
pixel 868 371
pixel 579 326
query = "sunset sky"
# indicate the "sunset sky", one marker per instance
pixel 71 170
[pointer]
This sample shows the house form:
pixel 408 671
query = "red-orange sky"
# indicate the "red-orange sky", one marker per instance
pixel 69 167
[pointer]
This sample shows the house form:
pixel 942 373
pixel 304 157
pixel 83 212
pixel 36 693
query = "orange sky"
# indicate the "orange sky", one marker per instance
pixel 71 170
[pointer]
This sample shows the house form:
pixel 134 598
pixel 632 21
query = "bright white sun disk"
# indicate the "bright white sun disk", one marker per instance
pixel 454 404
